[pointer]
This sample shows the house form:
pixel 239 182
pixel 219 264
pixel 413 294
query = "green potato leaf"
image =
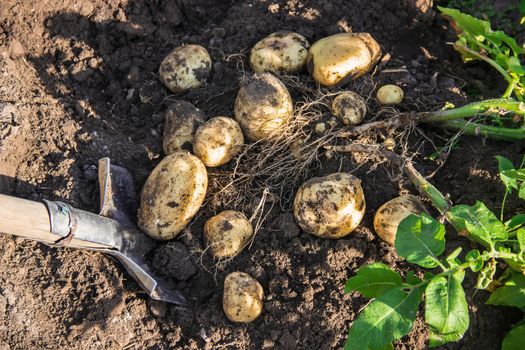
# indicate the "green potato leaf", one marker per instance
pixel 504 165
pixel 386 319
pixel 516 221
pixel 514 339
pixel 512 293
pixel 446 309
pixel 474 259
pixel 420 240
pixel 373 280
pixel 520 235
pixel 452 258
pixel 486 274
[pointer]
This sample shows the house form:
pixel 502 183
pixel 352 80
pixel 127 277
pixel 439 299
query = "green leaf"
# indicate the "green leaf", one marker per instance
pixel 474 259
pixel 514 174
pixel 514 339
pixel 521 193
pixel 446 309
pixel 520 235
pixel 385 319
pixel 452 260
pixel 411 278
pixel 504 165
pixel 512 293
pixel 373 280
pixel 420 240
pixel 486 274
pixel 515 221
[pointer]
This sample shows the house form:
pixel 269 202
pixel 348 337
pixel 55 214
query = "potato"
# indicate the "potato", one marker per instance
pixel 390 214
pixel 182 120
pixel 242 300
pixel 218 141
pixel 350 107
pixel 172 195
pixel 263 106
pixel 280 52
pixel 227 233
pixel 330 206
pixel 390 95
pixel 336 59
pixel 186 67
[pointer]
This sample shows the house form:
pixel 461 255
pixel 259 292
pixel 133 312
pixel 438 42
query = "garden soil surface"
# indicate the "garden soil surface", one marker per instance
pixel 78 81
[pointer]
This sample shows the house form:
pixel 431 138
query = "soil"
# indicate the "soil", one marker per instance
pixel 79 82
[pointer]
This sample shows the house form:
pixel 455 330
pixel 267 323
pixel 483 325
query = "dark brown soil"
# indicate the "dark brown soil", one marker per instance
pixel 78 81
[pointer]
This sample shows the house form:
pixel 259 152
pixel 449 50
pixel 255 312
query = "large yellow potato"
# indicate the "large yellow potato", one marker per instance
pixel 227 233
pixel 263 106
pixel 218 141
pixel 242 300
pixel 390 214
pixel 280 52
pixel 335 59
pixel 330 206
pixel 186 67
pixel 182 120
pixel 350 107
pixel 172 195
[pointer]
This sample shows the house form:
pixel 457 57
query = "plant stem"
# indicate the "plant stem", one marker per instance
pixel 493 132
pixel 486 59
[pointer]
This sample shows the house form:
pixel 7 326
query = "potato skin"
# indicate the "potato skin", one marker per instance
pixel 390 214
pixel 218 141
pixel 350 107
pixel 182 120
pixel 227 233
pixel 280 52
pixel 242 300
pixel 330 206
pixel 336 59
pixel 390 95
pixel 186 67
pixel 263 105
pixel 172 195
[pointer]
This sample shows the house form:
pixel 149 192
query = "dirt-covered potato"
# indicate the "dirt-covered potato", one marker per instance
pixel 263 106
pixel 390 214
pixel 242 300
pixel 350 107
pixel 186 67
pixel 227 233
pixel 218 141
pixel 182 120
pixel 280 52
pixel 336 59
pixel 390 95
pixel 330 206
pixel 172 195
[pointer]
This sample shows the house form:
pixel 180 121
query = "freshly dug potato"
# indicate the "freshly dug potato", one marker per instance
pixel 280 52
pixel 172 195
pixel 390 214
pixel 186 67
pixel 336 59
pixel 218 141
pixel 263 106
pixel 330 206
pixel 350 107
pixel 182 120
pixel 242 300
pixel 390 95
pixel 227 233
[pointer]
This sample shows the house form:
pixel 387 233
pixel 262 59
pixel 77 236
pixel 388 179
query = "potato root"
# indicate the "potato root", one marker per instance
pixel 186 67
pixel 336 59
pixel 242 300
pixel 390 95
pixel 281 52
pixel 227 233
pixel 390 214
pixel 349 107
pixel 182 120
pixel 263 106
pixel 172 195
pixel 330 206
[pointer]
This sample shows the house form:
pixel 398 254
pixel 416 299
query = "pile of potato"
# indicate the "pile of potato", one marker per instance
pixel 329 207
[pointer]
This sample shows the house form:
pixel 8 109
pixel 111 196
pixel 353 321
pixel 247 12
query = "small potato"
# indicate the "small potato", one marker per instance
pixel 336 59
pixel 218 141
pixel 390 95
pixel 263 106
pixel 330 206
pixel 350 107
pixel 182 120
pixel 172 195
pixel 390 214
pixel 242 300
pixel 280 52
pixel 227 233
pixel 186 67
